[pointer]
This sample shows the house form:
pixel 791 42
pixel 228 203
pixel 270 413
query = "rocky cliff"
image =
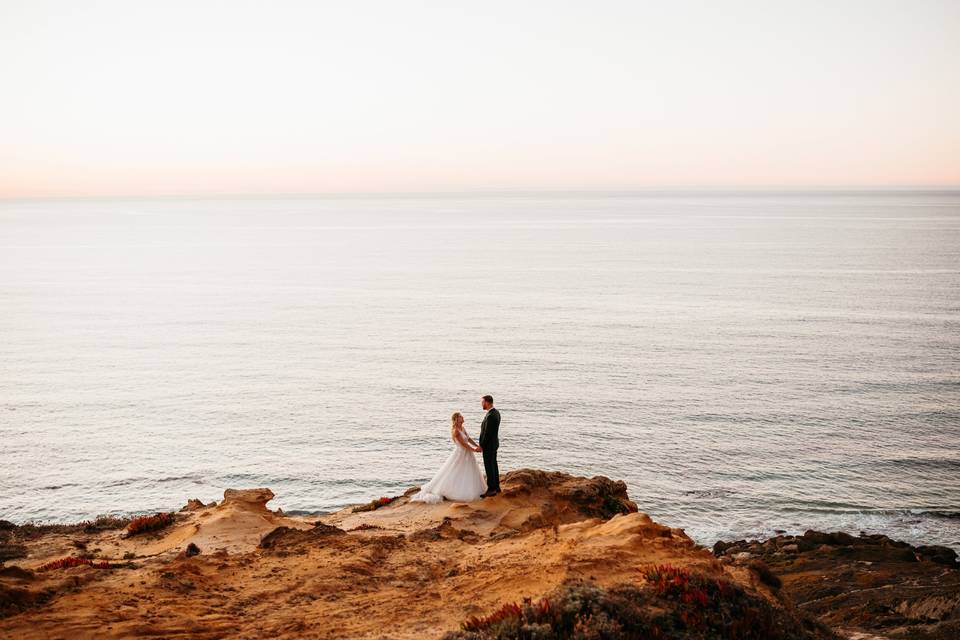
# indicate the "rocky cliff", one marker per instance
pixel 553 556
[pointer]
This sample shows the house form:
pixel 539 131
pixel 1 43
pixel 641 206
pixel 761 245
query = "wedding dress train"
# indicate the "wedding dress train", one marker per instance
pixel 459 479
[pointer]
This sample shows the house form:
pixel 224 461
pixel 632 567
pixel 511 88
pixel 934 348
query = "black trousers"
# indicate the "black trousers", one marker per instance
pixel 490 467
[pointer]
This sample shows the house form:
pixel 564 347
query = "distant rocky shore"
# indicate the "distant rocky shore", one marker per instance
pixel 866 586
pixel 553 556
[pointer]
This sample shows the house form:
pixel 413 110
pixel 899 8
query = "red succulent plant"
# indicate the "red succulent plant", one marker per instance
pixel 149 523
pixel 73 561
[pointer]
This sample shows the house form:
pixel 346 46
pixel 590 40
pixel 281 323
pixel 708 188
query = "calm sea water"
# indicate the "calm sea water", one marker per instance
pixel 746 362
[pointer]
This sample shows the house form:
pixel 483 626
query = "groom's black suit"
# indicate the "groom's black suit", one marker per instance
pixel 489 441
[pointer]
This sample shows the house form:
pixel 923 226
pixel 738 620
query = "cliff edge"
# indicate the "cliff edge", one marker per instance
pixel 553 554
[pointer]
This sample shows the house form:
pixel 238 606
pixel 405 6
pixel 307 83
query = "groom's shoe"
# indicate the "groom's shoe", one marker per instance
pixel 489 494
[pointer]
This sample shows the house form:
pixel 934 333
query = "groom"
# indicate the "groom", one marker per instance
pixel 489 441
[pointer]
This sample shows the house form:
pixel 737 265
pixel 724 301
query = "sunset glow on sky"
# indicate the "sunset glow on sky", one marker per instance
pixel 145 98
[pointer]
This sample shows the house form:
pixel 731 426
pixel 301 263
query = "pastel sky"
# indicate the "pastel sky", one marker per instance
pixel 130 97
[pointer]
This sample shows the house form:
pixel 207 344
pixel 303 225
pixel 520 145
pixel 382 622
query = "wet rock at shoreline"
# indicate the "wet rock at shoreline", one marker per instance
pixel 867 584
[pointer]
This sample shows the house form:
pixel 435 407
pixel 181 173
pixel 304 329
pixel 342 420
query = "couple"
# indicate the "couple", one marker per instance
pixel 459 476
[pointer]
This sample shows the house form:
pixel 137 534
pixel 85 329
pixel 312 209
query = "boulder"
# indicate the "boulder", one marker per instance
pixel 596 497
pixel 938 554
pixel 247 497
pixel 193 504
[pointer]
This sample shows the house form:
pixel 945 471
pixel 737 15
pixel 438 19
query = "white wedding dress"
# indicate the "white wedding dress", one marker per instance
pixel 459 478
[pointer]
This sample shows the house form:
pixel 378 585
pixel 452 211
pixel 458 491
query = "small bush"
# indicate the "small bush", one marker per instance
pixel 36 530
pixel 672 603
pixel 105 523
pixel 144 524
pixel 373 505
pixel 73 561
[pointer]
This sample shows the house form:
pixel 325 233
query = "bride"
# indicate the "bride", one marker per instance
pixel 459 478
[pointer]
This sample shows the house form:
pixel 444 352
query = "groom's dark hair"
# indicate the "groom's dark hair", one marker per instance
pixel 488 399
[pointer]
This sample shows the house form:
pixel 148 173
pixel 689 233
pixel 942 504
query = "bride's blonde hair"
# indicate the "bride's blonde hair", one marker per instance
pixel 456 418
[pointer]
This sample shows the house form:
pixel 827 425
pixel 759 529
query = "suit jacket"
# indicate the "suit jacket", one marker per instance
pixel 490 430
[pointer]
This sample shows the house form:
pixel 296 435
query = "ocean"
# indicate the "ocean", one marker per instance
pixel 746 361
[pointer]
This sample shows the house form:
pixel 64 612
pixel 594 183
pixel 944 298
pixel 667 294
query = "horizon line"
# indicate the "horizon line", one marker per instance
pixel 502 192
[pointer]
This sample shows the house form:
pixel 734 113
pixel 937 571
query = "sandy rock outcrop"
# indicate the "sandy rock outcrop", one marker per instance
pixel 403 570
